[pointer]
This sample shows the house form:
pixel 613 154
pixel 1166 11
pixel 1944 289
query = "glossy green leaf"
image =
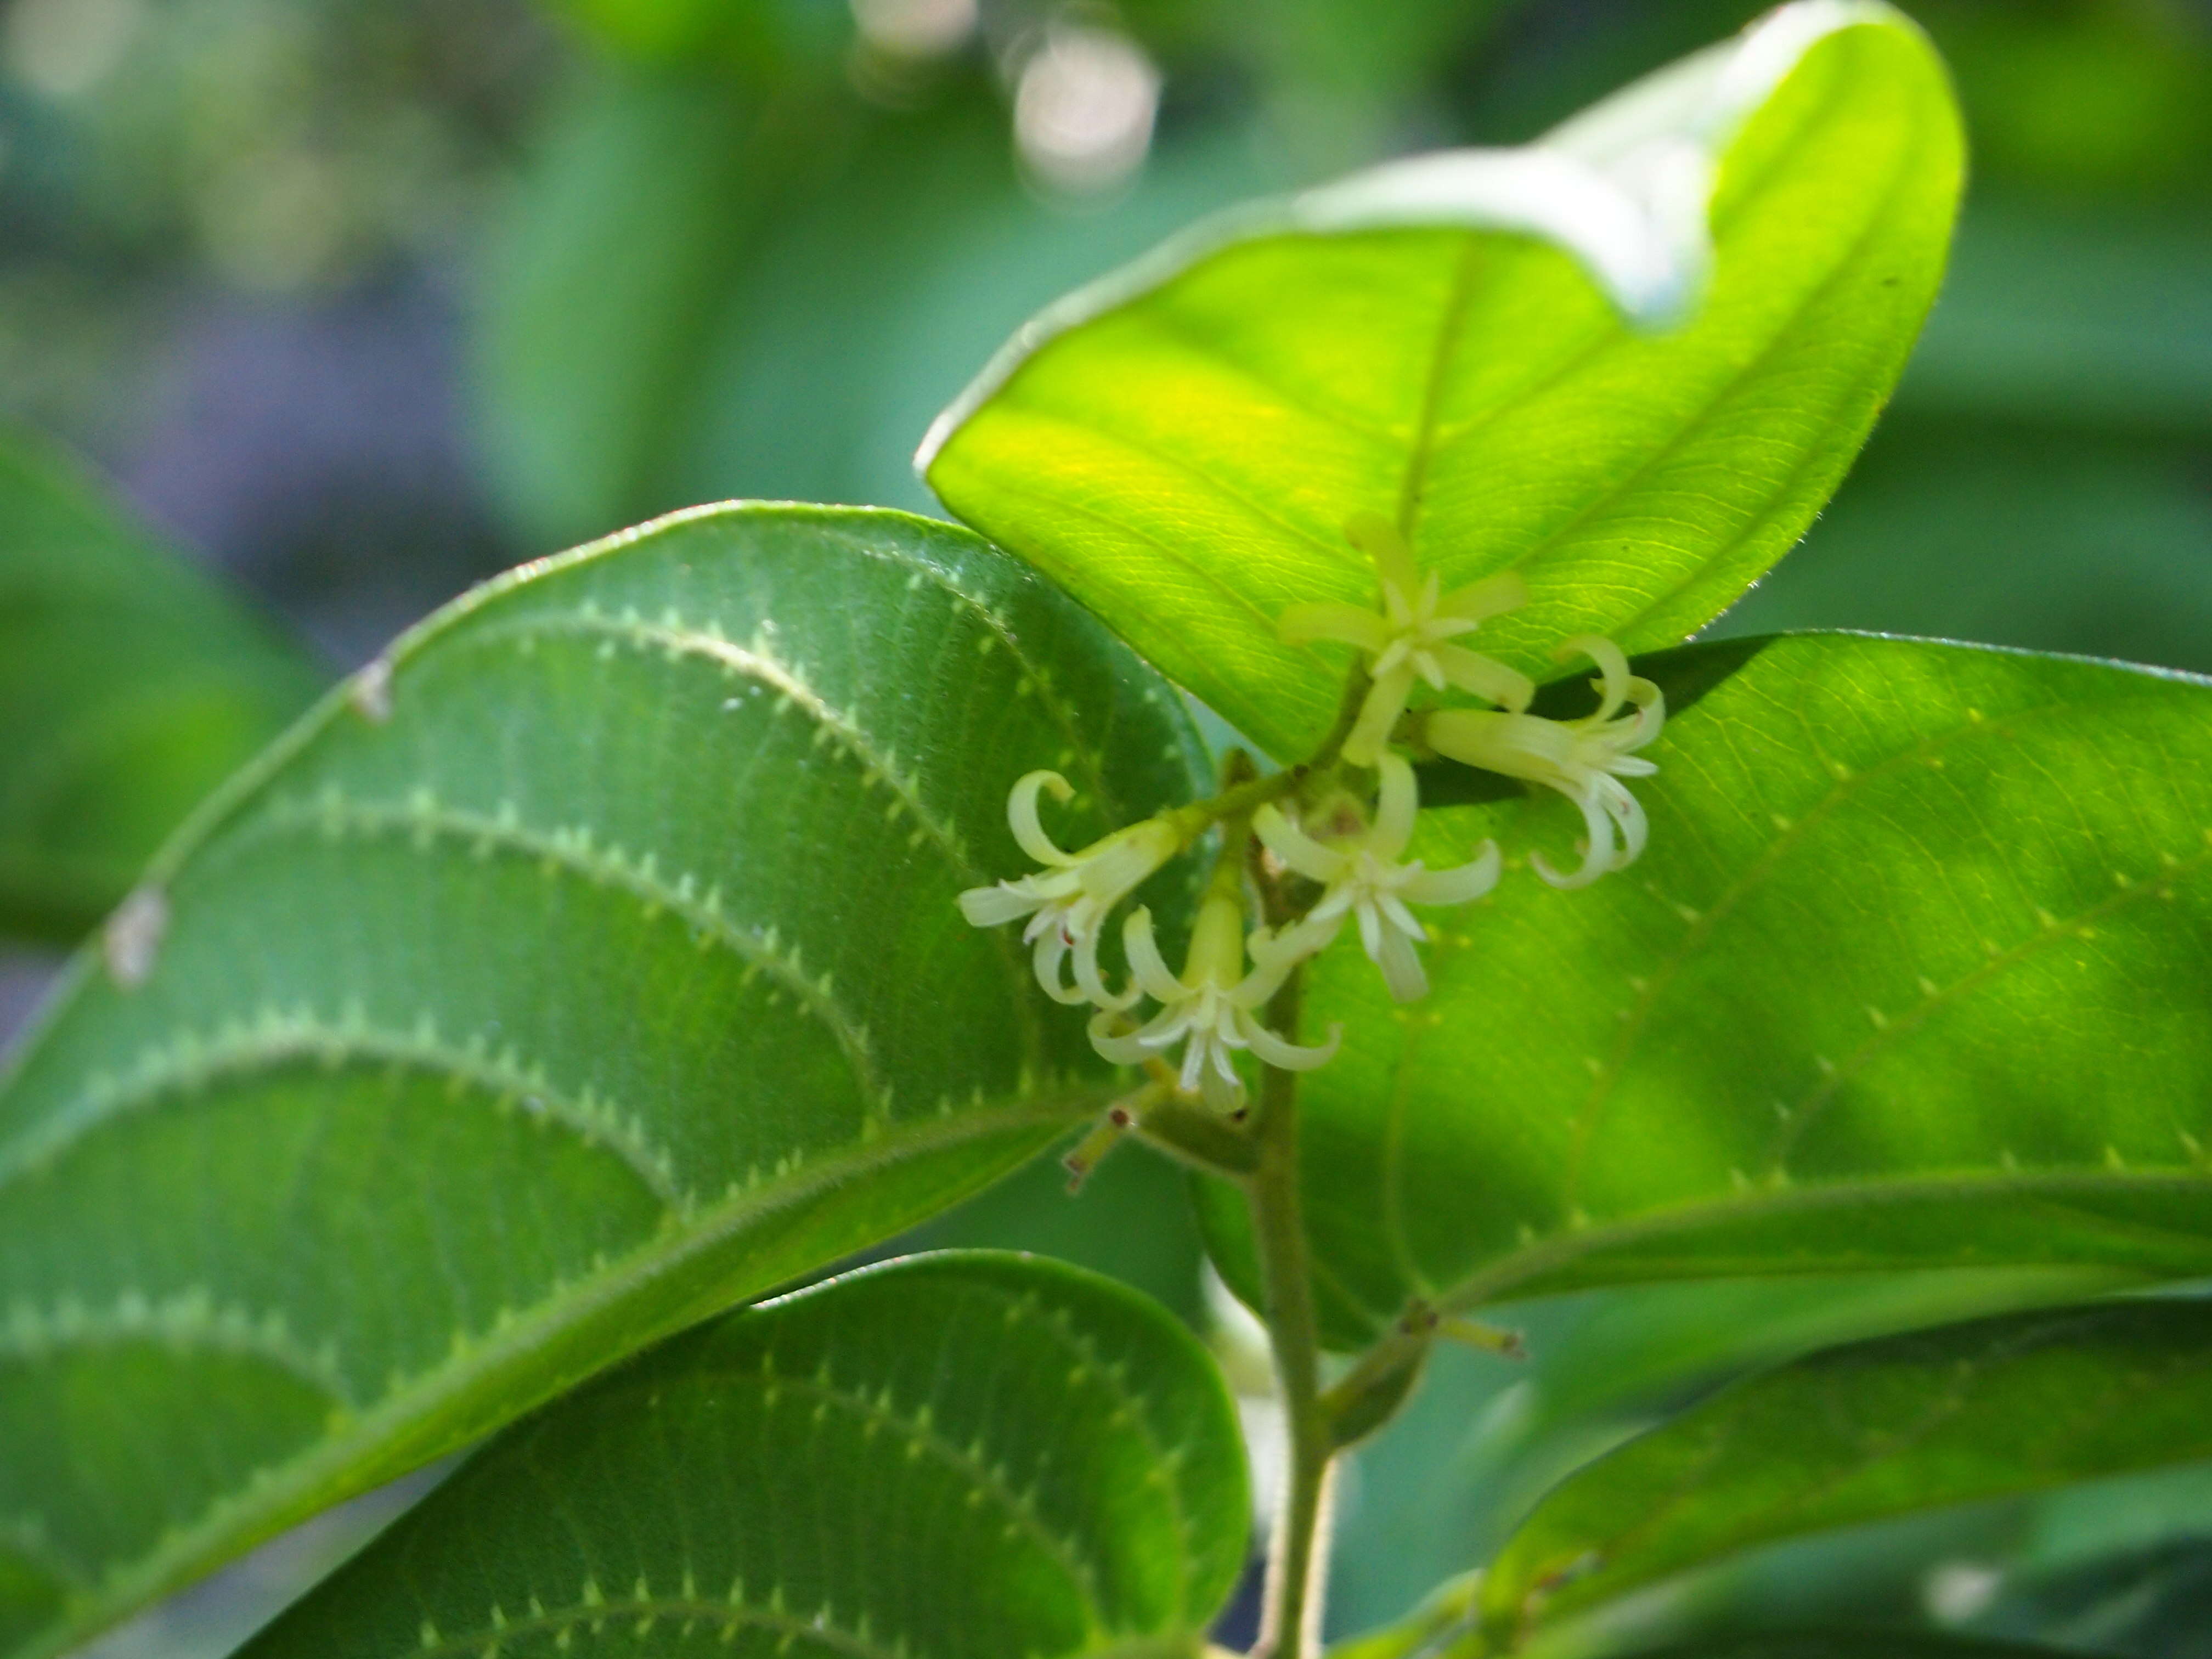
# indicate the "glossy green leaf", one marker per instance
pixel 1444 1628
pixel 1837 1644
pixel 589 964
pixel 130 685
pixel 1485 1438
pixel 1181 444
pixel 1911 975
pixel 950 1455
pixel 1858 1434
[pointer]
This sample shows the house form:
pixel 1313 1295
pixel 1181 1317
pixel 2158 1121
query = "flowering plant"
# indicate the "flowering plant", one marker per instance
pixel 649 931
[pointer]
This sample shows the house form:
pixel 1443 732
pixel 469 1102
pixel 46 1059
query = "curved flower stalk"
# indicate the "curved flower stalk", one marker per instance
pixel 1209 1008
pixel 1410 638
pixel 1069 900
pixel 1362 877
pixel 1585 759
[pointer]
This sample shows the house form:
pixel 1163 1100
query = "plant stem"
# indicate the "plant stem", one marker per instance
pixel 1289 1628
pixel 1239 797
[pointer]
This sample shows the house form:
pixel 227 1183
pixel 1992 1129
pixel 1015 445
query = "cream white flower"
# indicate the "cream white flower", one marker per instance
pixel 1410 638
pixel 1208 1009
pixel 1069 899
pixel 1362 877
pixel 1584 760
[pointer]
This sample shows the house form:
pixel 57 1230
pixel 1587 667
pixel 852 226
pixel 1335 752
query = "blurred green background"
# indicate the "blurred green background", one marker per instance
pixel 362 300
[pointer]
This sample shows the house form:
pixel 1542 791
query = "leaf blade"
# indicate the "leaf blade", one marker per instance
pixel 557 969
pixel 1940 870
pixel 1995 1408
pixel 1182 443
pixel 879 1464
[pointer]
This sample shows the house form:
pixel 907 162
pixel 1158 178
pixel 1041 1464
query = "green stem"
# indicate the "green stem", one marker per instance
pixel 1279 1228
pixel 1241 799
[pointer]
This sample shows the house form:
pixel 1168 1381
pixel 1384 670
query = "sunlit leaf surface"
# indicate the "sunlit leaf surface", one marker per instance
pixel 1912 975
pixel 1182 444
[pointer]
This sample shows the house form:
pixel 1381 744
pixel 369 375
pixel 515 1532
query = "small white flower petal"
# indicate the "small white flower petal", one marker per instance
pixel 998 904
pixel 1298 850
pixel 1286 1056
pixel 1385 701
pixel 1117 1048
pixel 1458 886
pixel 1149 968
pixel 1051 947
pixel 1401 967
pixel 1022 816
pixel 1486 677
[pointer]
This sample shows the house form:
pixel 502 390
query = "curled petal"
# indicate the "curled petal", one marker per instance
pixel 1478 675
pixel 1494 596
pixel 1092 984
pixel 1386 701
pixel 1289 1056
pixel 1613 670
pixel 1022 816
pixel 1627 812
pixel 1146 965
pixel 1469 881
pixel 1595 861
pixel 1116 1048
pixel 1651 711
pixel 1298 850
pixel 1051 947
pixel 1334 621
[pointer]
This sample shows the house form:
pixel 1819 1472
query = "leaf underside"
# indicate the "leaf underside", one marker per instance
pixel 588 964
pixel 1996 1408
pixel 1185 458
pixel 1911 975
pixel 948 1456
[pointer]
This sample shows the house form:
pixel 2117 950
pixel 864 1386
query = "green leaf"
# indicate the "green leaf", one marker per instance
pixel 702 293
pixel 1485 1438
pixel 948 1455
pixel 1182 444
pixel 130 685
pixel 1845 1645
pixel 590 964
pixel 1910 976
pixel 1987 1410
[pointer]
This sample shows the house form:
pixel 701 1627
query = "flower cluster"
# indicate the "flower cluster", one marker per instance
pixel 1317 848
